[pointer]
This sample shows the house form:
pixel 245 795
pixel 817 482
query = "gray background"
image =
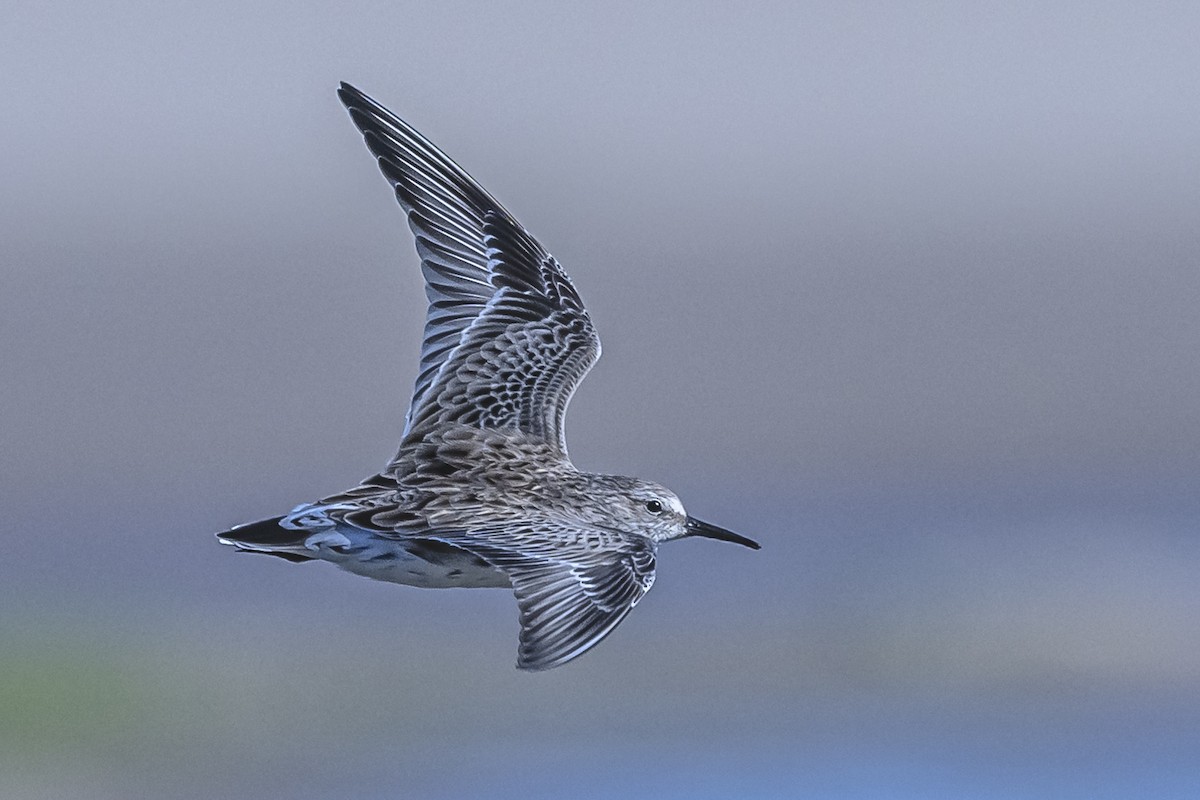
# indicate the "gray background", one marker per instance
pixel 906 291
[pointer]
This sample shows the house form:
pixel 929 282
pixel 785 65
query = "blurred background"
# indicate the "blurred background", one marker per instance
pixel 908 292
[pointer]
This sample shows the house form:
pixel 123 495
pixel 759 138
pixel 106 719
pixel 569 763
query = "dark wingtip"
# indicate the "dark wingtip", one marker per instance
pixel 349 95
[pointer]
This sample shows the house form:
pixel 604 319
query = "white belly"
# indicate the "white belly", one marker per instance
pixel 388 560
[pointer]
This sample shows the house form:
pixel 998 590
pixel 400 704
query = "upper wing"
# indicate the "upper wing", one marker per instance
pixel 507 338
pixel 573 586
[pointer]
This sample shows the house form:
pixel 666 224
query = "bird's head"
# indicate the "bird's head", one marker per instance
pixel 656 513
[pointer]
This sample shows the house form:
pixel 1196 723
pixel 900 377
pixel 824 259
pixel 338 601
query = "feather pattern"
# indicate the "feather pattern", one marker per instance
pixel 507 339
pixel 573 586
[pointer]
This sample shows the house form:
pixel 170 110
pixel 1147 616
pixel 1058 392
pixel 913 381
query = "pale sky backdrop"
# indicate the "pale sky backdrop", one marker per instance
pixel 907 291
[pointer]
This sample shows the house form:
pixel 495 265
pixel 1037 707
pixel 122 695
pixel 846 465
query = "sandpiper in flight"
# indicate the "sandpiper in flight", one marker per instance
pixel 481 492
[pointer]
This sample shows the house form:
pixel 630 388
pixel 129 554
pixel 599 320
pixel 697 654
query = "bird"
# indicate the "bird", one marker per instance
pixel 481 492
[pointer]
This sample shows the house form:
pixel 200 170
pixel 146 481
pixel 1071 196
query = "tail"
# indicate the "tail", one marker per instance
pixel 269 538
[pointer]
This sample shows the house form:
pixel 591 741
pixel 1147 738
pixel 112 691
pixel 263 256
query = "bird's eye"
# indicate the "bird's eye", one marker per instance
pixel 654 507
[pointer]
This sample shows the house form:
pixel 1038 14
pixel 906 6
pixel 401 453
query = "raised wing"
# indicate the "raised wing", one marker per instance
pixel 507 339
pixel 573 587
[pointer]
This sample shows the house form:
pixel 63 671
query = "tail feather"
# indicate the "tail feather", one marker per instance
pixel 269 538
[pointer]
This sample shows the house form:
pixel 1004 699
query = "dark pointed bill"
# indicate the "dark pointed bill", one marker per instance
pixel 696 527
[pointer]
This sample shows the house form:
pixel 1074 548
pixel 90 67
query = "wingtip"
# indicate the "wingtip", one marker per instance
pixel 529 665
pixel 349 94
pixel 541 659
